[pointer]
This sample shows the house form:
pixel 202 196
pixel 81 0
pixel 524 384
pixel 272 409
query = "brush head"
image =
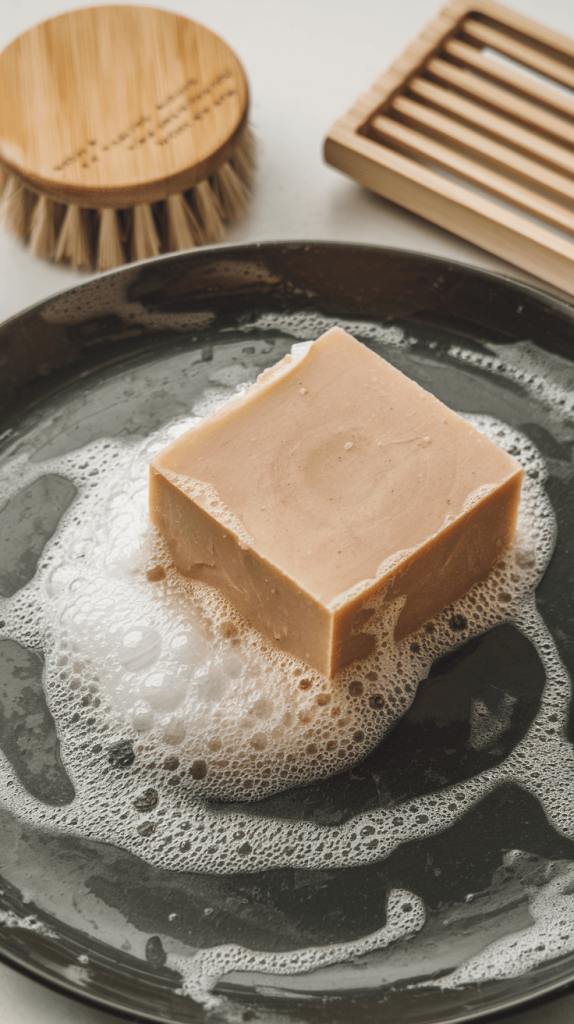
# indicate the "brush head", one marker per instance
pixel 118 106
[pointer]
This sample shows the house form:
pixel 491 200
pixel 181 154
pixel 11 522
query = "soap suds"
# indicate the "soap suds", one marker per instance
pixel 202 971
pixel 161 686
pixel 109 294
pixel 162 696
pixel 30 923
pixel 533 369
pixel 308 326
pixel 487 726
pixel 550 903
pixel 168 674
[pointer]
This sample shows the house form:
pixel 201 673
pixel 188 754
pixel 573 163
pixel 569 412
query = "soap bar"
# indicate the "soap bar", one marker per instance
pixel 333 481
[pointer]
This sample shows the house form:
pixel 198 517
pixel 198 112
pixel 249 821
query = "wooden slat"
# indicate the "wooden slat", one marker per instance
pixel 486 92
pixel 523 83
pixel 407 63
pixel 521 52
pixel 475 172
pixel 474 217
pixel 494 124
pixel 508 16
pixel 485 148
pixel 434 173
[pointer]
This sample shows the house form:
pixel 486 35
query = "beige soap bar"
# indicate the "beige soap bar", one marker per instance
pixel 333 477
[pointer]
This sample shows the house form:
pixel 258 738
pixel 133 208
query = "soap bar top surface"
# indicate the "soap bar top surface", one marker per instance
pixel 335 462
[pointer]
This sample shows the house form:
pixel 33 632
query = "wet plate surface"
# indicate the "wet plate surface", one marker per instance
pixel 434 880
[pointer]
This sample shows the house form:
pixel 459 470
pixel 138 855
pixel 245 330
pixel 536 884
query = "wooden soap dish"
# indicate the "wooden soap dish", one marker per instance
pixel 123 133
pixel 472 127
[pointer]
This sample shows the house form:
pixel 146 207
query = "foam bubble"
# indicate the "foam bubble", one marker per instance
pixel 549 379
pixel 30 923
pixel 109 294
pixel 201 972
pixel 308 326
pixel 486 727
pixel 163 697
pixel 138 652
pixel 550 902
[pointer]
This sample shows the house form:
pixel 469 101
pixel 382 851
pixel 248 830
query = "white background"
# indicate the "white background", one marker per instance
pixel 307 60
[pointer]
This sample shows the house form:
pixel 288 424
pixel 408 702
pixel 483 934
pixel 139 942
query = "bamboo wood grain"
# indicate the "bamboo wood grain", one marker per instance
pixel 486 152
pixel 501 127
pixel 475 172
pixel 408 63
pixel 483 91
pixel 118 106
pixel 479 220
pixel 515 22
pixel 523 83
pixel 484 148
pixel 521 52
pixel 123 134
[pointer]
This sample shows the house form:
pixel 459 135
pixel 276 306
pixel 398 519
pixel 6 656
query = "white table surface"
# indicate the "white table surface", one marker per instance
pixel 306 61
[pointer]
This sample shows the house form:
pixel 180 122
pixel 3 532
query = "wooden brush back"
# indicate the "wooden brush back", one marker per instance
pixel 116 106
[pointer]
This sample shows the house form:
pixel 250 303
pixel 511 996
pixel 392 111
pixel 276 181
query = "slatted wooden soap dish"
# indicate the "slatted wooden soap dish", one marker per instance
pixel 123 133
pixel 472 127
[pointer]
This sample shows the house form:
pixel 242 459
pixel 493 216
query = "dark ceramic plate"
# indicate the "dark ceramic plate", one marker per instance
pixel 109 916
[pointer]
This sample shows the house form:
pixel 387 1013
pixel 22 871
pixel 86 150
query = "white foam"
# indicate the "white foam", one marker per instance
pixel 487 726
pixel 308 326
pixel 109 294
pixel 551 904
pixel 30 923
pixel 201 972
pixel 548 378
pixel 162 696
pixel 172 669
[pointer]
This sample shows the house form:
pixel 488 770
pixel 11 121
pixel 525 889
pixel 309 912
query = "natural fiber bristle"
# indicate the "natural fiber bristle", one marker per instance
pixel 233 195
pixel 110 252
pixel 243 157
pixel 43 228
pixel 209 212
pixel 17 203
pixel 183 231
pixel 145 239
pixel 67 233
pixel 74 241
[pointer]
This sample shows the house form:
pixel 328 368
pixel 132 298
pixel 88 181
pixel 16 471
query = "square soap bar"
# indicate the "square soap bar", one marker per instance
pixel 333 479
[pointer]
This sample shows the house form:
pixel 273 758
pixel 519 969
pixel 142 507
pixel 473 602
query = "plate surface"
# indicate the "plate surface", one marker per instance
pixel 106 916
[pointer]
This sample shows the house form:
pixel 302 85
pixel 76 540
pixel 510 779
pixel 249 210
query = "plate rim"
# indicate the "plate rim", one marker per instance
pixel 536 291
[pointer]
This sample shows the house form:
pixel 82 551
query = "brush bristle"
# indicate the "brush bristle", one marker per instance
pixel 74 238
pixel 243 157
pixel 209 212
pixel 233 195
pixel 183 230
pixel 17 204
pixel 145 239
pixel 43 228
pixel 110 252
pixel 180 222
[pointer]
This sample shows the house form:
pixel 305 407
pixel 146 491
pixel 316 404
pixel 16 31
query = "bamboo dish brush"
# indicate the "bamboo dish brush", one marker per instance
pixel 123 134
